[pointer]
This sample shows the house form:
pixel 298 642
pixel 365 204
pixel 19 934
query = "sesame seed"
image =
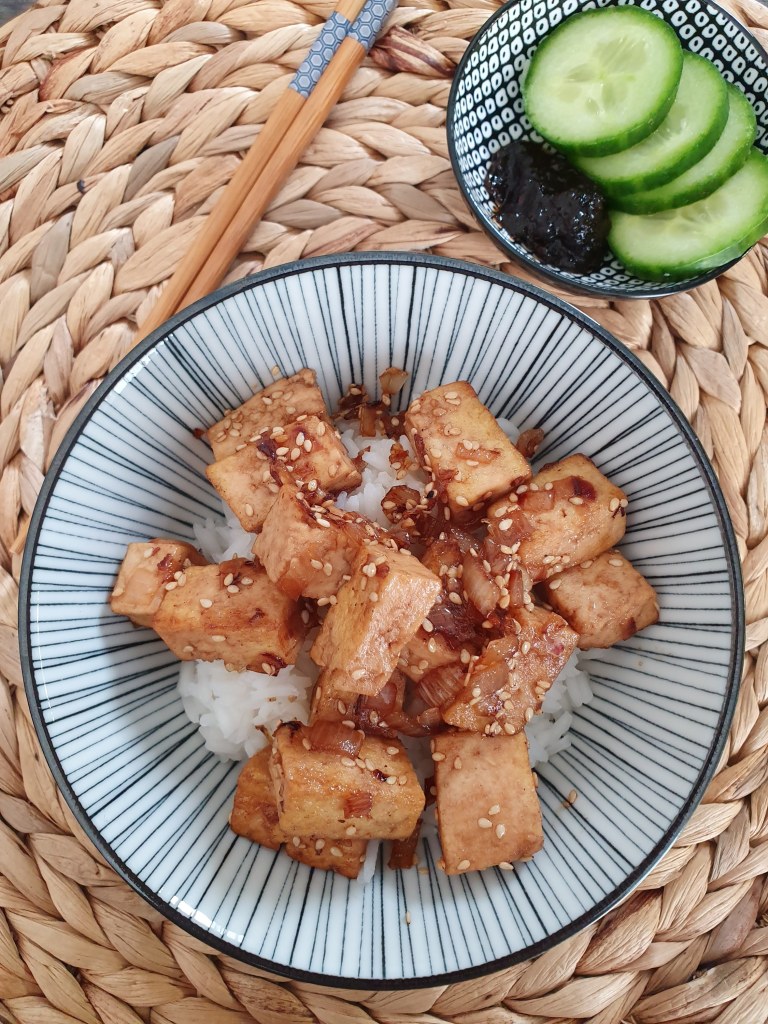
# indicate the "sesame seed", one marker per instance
pixel 316 563
pixel 586 565
pixel 233 589
pixel 509 729
pixel 427 626
pixel 493 810
pixel 172 585
pixel 373 596
pixel 462 865
pixel 306 744
pixel 327 568
pixel 281 451
pixel 525 647
pixel 322 522
pixel 528 714
pixel 461 500
pixel 205 602
pixel 576 500
pixel 484 823
pixel 218 638
pixel 350 830
pixel 348 762
pixel 266 668
pixel 358 673
pixel 407 917
pixel 437 756
pixel 392 780
pixel 554 584
pixel 572 796
pixel 454 598
pixel 228 579
pixel 319 844
pixel 335 851
pixel 615 561
pixel 623 503
pixel 505 524
pixel 188 649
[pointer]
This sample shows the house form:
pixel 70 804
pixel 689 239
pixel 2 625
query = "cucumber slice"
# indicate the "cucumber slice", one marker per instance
pixel 724 159
pixel 689 131
pixel 603 80
pixel 704 235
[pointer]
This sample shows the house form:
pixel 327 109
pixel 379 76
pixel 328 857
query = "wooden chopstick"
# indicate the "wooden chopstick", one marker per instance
pixel 254 163
pixel 310 119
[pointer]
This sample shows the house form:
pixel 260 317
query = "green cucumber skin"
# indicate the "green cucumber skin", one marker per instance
pixel 656 271
pixel 660 175
pixel 666 197
pixel 633 134
pixel 679 273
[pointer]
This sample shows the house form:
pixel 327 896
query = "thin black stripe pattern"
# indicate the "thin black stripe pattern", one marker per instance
pixel 105 692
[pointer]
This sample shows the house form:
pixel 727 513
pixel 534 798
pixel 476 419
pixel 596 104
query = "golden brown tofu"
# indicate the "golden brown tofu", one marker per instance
pixel 366 793
pixel 506 685
pixel 278 404
pixel 148 569
pixel 488 812
pixel 254 812
pixel 375 615
pixel 568 513
pixel 309 550
pixel 310 450
pixel 459 441
pixel 234 613
pixel 605 599
pixel 344 856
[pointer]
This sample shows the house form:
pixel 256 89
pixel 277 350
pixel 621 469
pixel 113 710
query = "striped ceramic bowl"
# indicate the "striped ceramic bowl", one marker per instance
pixel 104 695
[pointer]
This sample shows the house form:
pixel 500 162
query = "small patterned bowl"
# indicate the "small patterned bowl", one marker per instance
pixel 486 112
pixel 104 698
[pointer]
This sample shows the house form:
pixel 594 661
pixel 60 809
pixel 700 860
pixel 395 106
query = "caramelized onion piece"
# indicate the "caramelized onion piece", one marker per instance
pixel 400 501
pixel 493 673
pixel 479 586
pixel 480 456
pixel 403 852
pixel 529 442
pixel 537 501
pixel 513 526
pixel 516 589
pixel 441 685
pixel 392 379
pixel 573 487
pixel 336 738
pixel 358 804
pixel 367 418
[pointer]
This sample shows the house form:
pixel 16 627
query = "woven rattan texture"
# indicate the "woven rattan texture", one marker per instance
pixel 121 120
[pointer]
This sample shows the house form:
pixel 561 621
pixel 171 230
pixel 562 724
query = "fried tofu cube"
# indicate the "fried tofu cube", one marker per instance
pixel 148 568
pixel 324 792
pixel 568 513
pixel 457 439
pixel 254 812
pixel 274 406
pixel 605 599
pixel 303 557
pixel 506 685
pixel 377 612
pixel 234 613
pixel 310 450
pixel 488 812
pixel 344 856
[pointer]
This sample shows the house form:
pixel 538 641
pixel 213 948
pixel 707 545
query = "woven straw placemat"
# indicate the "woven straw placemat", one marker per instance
pixel 121 121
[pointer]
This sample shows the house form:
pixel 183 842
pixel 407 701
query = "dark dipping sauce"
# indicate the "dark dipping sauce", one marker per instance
pixel 549 206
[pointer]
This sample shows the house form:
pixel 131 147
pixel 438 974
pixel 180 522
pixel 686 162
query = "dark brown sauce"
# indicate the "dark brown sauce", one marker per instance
pixel 549 206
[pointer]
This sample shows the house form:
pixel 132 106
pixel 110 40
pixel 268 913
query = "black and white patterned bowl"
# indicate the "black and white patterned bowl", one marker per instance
pixel 103 694
pixel 486 112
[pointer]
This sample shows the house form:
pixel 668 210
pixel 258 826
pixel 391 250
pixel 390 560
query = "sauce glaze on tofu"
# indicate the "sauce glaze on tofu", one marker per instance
pixel 447 621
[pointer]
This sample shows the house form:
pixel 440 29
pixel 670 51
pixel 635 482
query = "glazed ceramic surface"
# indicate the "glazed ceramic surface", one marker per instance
pixel 104 694
pixel 486 110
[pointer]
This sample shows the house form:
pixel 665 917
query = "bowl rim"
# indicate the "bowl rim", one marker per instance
pixel 542 270
pixel 738 625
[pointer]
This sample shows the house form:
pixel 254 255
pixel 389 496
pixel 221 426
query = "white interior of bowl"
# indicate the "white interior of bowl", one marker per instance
pixel 106 692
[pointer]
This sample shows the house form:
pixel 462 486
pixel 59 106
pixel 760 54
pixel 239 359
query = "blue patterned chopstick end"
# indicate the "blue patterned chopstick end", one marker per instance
pixel 322 50
pixel 369 22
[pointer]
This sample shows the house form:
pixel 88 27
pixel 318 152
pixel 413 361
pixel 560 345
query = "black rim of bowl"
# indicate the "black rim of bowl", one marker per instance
pixel 726 531
pixel 542 270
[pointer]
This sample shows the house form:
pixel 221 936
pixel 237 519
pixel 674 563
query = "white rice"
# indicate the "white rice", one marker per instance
pixel 234 709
